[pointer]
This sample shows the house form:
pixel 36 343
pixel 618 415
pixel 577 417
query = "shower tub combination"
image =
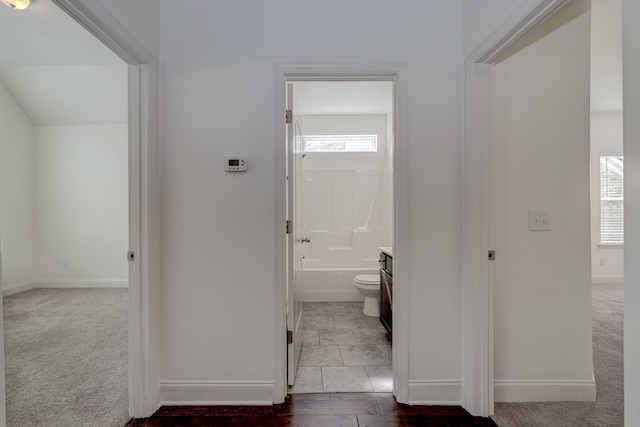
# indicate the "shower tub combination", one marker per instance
pixel 329 277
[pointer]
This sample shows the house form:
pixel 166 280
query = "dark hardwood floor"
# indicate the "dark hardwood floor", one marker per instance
pixel 316 410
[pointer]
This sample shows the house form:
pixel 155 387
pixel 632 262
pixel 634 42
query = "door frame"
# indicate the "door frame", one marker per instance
pixel 344 72
pixel 142 135
pixel 478 379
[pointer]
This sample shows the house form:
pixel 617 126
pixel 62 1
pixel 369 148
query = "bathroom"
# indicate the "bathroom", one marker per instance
pixel 347 131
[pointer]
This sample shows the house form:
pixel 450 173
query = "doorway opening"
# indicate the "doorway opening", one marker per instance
pixel 64 219
pixel 340 201
pixel 141 117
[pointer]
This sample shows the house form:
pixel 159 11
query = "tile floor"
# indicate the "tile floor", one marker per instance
pixel 342 350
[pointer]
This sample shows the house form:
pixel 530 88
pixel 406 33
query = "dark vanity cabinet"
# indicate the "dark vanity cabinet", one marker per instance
pixel 386 290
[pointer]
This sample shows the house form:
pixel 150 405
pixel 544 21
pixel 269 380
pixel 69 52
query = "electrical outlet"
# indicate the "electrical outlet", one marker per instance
pixel 65 265
pixel 603 261
pixel 539 221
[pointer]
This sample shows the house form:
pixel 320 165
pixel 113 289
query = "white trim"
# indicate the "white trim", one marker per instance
pixel 143 221
pixel 521 22
pixel 64 284
pixel 99 22
pixel 477 397
pixel 607 278
pixel 79 283
pixel 354 72
pixel 16 288
pixel 478 387
pixel 435 392
pixel 545 391
pixel 215 393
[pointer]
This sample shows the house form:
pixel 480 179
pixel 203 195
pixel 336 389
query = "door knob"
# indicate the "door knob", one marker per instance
pixel 305 240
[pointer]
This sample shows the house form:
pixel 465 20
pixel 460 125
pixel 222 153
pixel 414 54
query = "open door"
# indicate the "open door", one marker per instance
pixel 539 219
pixel 295 240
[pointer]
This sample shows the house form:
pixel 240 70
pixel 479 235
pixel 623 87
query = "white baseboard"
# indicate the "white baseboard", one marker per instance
pixel 331 295
pixel 545 391
pixel 215 393
pixel 607 278
pixel 17 288
pixel 60 284
pixel 99 283
pixel 435 392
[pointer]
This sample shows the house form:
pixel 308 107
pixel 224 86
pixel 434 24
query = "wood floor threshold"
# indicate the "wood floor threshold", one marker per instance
pixel 317 410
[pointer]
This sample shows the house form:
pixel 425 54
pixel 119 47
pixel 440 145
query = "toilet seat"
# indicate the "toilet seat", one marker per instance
pixel 368 279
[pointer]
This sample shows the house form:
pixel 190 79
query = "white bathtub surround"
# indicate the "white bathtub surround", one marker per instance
pixel 347 210
pixel 333 284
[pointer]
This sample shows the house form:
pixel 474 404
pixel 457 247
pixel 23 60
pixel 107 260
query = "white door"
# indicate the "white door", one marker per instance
pixel 295 240
pixel 539 215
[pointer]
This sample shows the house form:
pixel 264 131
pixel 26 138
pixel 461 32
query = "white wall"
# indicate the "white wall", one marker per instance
pixel 476 26
pixel 17 151
pixel 606 139
pixel 606 55
pixel 82 205
pixel 141 19
pixel 631 35
pixel 540 162
pixel 217 81
pixel 606 123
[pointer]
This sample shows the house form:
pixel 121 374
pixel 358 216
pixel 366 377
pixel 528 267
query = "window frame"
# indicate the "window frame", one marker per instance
pixel 372 139
pixel 603 198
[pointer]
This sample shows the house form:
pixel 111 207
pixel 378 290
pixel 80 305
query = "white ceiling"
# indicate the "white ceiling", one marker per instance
pixel 58 72
pixel 62 75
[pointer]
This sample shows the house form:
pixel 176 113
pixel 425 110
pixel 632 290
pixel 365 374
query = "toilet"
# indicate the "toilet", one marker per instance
pixel 369 286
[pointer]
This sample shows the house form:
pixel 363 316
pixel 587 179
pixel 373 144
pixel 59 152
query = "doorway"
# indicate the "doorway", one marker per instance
pixel 341 204
pixel 142 91
pixel 64 221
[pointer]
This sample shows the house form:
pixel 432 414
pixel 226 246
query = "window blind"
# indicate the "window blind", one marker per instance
pixel 612 199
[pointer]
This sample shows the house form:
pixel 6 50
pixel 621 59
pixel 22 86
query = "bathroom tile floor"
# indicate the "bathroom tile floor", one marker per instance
pixel 342 350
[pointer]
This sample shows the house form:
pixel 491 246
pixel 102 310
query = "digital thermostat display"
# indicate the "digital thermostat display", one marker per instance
pixel 235 164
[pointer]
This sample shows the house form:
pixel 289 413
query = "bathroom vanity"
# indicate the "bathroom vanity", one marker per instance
pixel 386 287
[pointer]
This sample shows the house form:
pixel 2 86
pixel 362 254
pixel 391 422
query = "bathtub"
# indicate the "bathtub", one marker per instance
pixel 332 284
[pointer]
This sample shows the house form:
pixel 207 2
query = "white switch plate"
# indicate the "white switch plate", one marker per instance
pixel 539 221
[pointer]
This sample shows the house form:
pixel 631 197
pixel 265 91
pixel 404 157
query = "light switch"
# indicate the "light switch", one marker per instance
pixel 539 221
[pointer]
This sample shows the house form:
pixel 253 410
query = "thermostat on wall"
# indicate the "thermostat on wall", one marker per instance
pixel 235 164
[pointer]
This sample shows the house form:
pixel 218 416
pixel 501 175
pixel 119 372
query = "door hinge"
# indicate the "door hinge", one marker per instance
pixel 131 256
pixel 288 116
pixel 289 337
pixel 289 227
pixel 492 255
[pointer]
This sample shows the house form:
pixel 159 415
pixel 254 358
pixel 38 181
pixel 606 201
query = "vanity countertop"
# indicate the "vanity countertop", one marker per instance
pixel 387 250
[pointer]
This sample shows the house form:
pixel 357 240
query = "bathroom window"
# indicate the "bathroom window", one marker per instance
pixel 611 200
pixel 341 143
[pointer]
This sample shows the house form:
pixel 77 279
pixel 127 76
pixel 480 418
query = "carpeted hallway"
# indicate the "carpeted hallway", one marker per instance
pixel 66 357
pixel 608 409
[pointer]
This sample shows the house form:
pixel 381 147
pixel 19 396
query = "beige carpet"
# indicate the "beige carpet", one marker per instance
pixel 608 409
pixel 66 357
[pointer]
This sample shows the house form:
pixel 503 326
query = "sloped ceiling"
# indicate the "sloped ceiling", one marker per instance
pixel 606 55
pixel 59 73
